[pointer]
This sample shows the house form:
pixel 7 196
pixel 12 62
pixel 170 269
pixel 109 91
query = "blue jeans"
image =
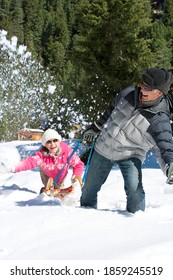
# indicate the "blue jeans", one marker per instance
pixel 98 172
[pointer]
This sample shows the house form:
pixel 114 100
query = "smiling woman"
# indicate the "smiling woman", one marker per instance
pixel 53 158
pixel 51 141
pixel 53 146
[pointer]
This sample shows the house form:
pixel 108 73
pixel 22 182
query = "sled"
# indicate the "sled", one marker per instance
pixel 60 192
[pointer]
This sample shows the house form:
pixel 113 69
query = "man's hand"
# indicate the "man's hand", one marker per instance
pixel 89 136
pixel 169 173
pixel 91 133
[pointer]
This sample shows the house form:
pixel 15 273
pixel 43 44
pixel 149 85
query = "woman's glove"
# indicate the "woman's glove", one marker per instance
pixel 76 179
pixel 6 167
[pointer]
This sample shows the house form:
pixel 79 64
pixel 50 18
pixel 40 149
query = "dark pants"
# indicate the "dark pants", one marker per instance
pixel 98 172
pixel 45 178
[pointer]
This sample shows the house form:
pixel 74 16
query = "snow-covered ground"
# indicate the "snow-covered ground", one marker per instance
pixel 37 228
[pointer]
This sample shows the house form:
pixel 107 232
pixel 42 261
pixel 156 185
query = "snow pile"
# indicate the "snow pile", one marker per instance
pixel 35 227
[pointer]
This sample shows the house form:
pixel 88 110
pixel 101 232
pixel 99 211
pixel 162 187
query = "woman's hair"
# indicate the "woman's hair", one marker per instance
pixel 44 150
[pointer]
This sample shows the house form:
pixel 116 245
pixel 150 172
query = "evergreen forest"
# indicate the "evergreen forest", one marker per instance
pixel 88 49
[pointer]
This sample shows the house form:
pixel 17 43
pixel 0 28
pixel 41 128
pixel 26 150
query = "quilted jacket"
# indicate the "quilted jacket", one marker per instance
pixel 129 130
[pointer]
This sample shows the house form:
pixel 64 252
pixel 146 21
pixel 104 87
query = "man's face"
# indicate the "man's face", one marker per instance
pixel 149 95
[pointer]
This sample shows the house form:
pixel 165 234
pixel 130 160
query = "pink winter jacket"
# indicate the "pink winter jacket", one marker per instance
pixel 52 165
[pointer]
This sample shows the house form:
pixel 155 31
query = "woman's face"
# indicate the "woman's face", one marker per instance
pixel 53 146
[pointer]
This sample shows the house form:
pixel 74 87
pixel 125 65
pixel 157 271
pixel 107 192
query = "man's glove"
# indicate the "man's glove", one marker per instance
pixel 91 133
pixel 169 173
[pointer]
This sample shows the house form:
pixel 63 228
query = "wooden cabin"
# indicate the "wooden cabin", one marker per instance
pixel 30 134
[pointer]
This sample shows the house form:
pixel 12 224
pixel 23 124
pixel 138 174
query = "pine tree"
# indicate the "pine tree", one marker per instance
pixel 92 48
pixel 16 27
pixel 56 38
pixel 110 48
pixel 5 14
pixel 159 45
pixel 168 22
pixel 29 95
pixel 34 17
pixel 22 84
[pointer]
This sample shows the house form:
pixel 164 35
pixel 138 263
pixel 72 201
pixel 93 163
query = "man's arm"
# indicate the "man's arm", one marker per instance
pixel 92 132
pixel 169 98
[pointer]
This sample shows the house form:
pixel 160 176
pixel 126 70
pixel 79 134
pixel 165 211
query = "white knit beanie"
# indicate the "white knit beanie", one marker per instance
pixel 50 134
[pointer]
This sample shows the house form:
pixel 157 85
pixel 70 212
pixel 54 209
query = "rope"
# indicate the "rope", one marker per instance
pixel 88 161
pixel 86 167
pixel 74 150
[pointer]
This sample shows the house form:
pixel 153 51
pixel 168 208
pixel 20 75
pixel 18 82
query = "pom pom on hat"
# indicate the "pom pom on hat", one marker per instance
pixel 157 78
pixel 50 134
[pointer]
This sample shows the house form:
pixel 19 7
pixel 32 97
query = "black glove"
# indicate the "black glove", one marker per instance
pixel 169 173
pixel 91 133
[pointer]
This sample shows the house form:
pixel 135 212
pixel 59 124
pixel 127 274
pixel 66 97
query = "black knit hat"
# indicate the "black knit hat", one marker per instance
pixel 157 78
